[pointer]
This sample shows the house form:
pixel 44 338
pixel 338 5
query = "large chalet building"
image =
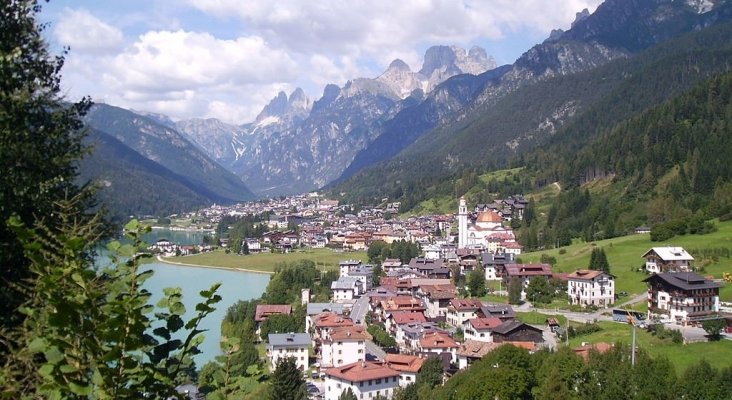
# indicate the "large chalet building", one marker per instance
pixel 667 259
pixel 684 297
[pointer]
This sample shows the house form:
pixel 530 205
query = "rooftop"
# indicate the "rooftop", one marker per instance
pixel 360 371
pixel 289 339
pixel 265 310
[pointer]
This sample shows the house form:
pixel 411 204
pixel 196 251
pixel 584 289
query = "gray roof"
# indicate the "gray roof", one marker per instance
pixel 512 325
pixel 344 282
pixel 317 308
pixel 684 280
pixel 289 339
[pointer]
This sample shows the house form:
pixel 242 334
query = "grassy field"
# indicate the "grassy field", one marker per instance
pixel 624 254
pixel 718 354
pixel 325 259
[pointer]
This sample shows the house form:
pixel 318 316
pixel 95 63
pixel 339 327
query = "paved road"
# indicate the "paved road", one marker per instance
pixel 359 310
pixel 374 350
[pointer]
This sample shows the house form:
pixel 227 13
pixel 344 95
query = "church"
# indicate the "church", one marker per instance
pixel 485 230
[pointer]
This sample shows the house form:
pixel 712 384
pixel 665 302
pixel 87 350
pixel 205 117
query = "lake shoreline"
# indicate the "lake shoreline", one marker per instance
pixel 180 264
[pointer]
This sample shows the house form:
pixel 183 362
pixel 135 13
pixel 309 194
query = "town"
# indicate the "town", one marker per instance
pixel 385 319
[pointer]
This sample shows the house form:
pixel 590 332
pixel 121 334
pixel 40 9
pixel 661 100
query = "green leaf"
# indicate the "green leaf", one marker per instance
pixel 133 225
pixel 127 250
pixel 54 355
pixel 177 308
pixel 38 345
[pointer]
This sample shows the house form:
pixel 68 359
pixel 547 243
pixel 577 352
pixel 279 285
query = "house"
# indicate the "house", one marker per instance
pixel 396 318
pixel 684 297
pixel 265 310
pixel 347 266
pixel 461 310
pixel 525 273
pixel 517 331
pixel 667 259
pixel 253 245
pixel 409 335
pixel 438 343
pixel 345 288
pixel 472 351
pixel 504 312
pixel 344 346
pixel 481 329
pixel 367 379
pixel 314 309
pixel 436 299
pixel 391 263
pixel 288 345
pixel 591 288
pixel 325 323
pixel 431 268
pixel 495 265
pixel 407 365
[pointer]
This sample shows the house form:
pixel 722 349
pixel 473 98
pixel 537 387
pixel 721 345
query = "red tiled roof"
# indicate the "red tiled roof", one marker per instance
pixel 488 216
pixel 584 274
pixel 528 270
pixel 360 371
pixel 404 363
pixel 265 310
pixel 466 304
pixel 346 333
pixel 331 320
pixel 485 323
pixel 437 340
pixel 407 317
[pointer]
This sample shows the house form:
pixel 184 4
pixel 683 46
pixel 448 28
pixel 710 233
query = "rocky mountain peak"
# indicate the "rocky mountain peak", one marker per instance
pixel 399 65
pixel 580 16
pixel 280 106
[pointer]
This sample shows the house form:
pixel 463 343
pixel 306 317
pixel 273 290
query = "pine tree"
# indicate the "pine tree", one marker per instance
pixel 347 395
pixel 287 382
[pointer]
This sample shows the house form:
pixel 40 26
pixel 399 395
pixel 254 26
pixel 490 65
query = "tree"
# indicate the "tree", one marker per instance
pixel 94 332
pixel 41 140
pixel 714 327
pixel 514 290
pixel 287 382
pixel 476 282
pixel 375 251
pixel 378 273
pixel 347 395
pixel 431 373
pixel 598 260
pixel 539 290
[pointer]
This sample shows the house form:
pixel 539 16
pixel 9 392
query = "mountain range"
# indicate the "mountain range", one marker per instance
pixel 407 132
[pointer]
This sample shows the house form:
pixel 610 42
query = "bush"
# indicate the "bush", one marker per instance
pixel 585 329
pixel 562 251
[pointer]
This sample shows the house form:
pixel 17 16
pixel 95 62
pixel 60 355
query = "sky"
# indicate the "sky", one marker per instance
pixel 227 59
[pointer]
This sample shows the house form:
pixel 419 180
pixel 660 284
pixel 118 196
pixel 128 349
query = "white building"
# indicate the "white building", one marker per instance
pixel 461 310
pixel 684 297
pixel 408 367
pixel 438 343
pixel 344 346
pixel 289 345
pixel 591 288
pixel 667 259
pixel 481 329
pixel 476 234
pixel 367 379
pixel 345 288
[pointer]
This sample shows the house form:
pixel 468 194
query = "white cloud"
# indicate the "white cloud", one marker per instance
pixel 85 33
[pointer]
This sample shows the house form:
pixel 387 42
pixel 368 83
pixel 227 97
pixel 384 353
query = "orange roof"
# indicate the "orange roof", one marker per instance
pixel 437 340
pixel 466 304
pixel 488 216
pixel 584 351
pixel 360 371
pixel 584 274
pixel 407 317
pixel 265 310
pixel 331 320
pixel 346 333
pixel 476 349
pixel 531 346
pixel 485 323
pixel 404 363
pixel 397 303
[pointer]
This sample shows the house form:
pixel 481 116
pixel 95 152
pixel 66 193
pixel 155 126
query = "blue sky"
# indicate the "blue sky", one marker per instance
pixel 227 58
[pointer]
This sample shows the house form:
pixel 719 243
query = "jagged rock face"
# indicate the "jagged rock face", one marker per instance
pixel 444 62
pixel 211 135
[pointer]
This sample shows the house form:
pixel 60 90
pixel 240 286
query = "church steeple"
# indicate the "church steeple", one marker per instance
pixel 462 224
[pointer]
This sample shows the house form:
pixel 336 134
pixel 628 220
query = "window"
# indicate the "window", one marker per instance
pixel 378 381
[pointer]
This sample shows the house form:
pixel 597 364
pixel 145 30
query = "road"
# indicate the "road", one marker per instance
pixel 359 310
pixel 374 350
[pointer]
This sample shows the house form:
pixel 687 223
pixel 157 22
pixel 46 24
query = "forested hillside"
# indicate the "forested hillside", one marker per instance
pixel 580 105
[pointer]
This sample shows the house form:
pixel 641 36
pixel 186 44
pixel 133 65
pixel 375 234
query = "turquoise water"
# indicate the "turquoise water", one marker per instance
pixel 235 286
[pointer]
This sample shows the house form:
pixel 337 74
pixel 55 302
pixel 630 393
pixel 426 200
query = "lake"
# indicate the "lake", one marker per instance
pixel 235 286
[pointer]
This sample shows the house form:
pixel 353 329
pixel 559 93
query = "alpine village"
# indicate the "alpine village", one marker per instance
pixel 556 227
